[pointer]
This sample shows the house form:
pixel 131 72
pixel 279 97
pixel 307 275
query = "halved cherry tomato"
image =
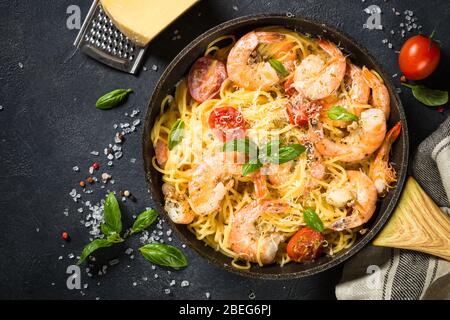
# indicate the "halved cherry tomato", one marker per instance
pixel 288 88
pixel 419 57
pixel 298 113
pixel 227 123
pixel 205 78
pixel 305 245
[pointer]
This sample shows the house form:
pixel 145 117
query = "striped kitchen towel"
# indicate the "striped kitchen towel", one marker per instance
pixel 396 274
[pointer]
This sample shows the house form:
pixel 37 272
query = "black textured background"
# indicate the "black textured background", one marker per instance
pixel 49 124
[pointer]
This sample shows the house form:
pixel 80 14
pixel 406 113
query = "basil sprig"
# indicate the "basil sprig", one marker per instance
pixel 161 254
pixel 271 152
pixel 164 255
pixel 427 96
pixel 248 168
pixel 176 133
pixel 279 67
pixel 112 215
pixel 112 99
pixel 340 113
pixel 312 220
pixel 241 145
pixel 97 244
pixel 144 220
pixel 289 152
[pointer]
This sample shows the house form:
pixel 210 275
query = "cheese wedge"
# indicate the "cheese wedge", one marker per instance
pixel 142 20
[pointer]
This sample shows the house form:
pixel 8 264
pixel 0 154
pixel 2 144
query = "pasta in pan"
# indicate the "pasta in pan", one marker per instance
pixel 274 148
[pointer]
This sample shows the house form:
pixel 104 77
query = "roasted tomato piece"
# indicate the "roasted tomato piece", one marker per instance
pixel 205 78
pixel 305 245
pixel 227 123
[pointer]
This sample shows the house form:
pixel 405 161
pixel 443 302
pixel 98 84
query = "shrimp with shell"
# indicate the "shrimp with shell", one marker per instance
pixel 360 143
pixel 315 78
pixel 381 172
pixel 243 66
pixel 359 194
pixel 247 241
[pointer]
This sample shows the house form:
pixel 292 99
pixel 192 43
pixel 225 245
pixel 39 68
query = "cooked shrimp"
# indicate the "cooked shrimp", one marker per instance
pixel 260 182
pixel 381 172
pixel 380 94
pixel 360 194
pixel 316 79
pixel 246 240
pixel 176 205
pixel 210 182
pixel 278 174
pixel 362 141
pixel 162 150
pixel 359 89
pixel 359 92
pixel 253 76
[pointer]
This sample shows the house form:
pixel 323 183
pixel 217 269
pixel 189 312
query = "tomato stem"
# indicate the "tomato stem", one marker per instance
pixel 432 39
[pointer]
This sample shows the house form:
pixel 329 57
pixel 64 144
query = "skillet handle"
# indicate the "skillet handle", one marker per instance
pixel 417 224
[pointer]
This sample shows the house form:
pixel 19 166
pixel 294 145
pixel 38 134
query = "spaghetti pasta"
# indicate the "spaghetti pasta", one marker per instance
pixel 266 119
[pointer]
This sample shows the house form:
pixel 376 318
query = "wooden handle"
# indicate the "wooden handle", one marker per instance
pixel 417 224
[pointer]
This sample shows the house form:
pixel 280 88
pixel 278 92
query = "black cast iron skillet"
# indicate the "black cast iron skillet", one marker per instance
pixel 180 66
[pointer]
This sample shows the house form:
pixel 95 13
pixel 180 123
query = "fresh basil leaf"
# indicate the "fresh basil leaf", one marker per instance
pixel 241 145
pixel 164 255
pixel 427 96
pixel 97 244
pixel 279 67
pixel 312 220
pixel 269 152
pixel 288 153
pixel 113 217
pixel 340 113
pixel 112 99
pixel 144 220
pixel 176 133
pixel 106 230
pixel 248 168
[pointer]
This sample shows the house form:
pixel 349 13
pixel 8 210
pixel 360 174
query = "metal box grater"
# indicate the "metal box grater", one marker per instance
pixel 100 39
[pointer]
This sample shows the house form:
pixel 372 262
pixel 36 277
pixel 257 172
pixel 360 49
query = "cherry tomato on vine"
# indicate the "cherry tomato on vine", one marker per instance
pixel 419 57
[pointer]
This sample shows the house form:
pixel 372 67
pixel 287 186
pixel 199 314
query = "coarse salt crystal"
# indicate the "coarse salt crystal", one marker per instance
pixel 113 262
pixel 76 168
pixel 95 153
pixel 184 283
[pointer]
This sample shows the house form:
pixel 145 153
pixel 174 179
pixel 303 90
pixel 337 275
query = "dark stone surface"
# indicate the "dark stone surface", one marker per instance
pixel 49 124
